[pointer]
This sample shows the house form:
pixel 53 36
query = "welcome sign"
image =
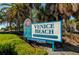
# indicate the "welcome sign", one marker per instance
pixel 47 31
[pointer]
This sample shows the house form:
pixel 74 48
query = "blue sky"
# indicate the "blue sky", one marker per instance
pixel 3 25
pixel 3 6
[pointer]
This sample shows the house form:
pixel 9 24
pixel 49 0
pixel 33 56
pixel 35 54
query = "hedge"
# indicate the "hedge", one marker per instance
pixel 11 44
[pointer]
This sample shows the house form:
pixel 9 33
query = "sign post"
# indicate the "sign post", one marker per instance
pixel 53 46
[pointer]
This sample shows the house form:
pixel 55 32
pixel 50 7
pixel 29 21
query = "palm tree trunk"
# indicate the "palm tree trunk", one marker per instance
pixel 18 23
pixel 10 25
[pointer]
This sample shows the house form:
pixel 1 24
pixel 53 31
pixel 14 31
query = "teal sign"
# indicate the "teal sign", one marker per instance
pixel 44 32
pixel 50 31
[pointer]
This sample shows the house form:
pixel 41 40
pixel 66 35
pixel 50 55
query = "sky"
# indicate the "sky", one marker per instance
pixel 3 6
pixel 3 25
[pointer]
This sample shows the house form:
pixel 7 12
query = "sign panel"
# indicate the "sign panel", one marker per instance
pixel 47 31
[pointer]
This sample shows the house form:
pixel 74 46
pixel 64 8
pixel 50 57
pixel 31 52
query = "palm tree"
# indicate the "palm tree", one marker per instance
pixel 18 12
pixel 68 10
pixel 3 14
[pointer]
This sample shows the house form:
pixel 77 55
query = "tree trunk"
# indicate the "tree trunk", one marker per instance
pixel 18 23
pixel 10 25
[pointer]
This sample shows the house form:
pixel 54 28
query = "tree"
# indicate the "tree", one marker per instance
pixel 18 12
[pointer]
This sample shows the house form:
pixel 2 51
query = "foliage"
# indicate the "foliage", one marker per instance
pixel 12 44
pixel 77 26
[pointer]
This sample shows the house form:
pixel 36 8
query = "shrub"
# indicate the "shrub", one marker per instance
pixel 7 49
pixel 23 49
pixel 40 51
pixel 11 45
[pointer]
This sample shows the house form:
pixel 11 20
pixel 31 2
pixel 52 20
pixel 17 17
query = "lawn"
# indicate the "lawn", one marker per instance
pixel 11 44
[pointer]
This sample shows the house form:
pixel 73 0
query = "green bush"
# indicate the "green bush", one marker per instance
pixel 40 51
pixel 12 45
pixel 23 49
pixel 7 49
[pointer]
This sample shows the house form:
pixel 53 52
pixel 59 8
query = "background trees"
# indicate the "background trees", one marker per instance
pixel 15 13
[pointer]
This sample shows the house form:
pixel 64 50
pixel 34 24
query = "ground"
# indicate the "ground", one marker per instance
pixel 62 51
pixel 70 46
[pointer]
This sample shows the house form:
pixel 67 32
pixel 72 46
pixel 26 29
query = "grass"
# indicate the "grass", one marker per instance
pixel 11 44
